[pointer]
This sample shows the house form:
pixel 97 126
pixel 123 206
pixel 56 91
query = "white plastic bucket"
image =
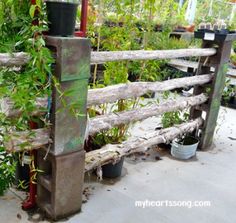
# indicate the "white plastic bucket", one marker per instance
pixel 184 152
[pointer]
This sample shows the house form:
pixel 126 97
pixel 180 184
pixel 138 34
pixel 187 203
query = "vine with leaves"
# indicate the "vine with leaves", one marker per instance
pixel 22 85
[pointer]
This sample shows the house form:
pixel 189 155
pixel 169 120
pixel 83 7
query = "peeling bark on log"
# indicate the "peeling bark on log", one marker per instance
pixel 136 89
pixel 14 59
pixel 111 153
pixel 105 122
pixel 7 107
pixel 106 56
pixel 27 140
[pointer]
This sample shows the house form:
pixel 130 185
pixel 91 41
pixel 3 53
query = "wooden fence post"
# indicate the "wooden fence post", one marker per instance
pixel 60 185
pixel 219 62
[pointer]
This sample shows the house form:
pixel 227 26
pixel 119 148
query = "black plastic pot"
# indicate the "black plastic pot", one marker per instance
pixel 231 102
pixel 22 175
pixel 61 18
pixel 113 171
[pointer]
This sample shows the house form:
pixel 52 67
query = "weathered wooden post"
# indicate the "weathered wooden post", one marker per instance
pixel 60 186
pixel 219 62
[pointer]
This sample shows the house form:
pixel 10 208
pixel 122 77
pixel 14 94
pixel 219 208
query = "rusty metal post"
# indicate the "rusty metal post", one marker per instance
pixel 219 64
pixel 83 19
pixel 60 185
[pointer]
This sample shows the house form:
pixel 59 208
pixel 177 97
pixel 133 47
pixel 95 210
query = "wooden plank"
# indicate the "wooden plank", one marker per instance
pixel 108 56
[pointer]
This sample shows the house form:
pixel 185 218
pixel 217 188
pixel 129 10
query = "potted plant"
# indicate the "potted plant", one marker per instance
pixel 170 119
pixel 111 170
pixel 61 17
pixel 229 96
pixel 185 147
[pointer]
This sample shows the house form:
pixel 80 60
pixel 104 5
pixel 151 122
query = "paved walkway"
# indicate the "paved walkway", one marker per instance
pixel 210 176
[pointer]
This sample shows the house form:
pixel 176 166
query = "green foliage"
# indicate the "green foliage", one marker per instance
pixel 131 25
pixel 112 136
pixel 169 119
pixel 229 91
pixel 173 118
pixel 23 85
pixel 7 170
pixel 233 58
pixel 221 10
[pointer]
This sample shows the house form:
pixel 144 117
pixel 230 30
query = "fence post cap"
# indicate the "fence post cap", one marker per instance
pixel 215 35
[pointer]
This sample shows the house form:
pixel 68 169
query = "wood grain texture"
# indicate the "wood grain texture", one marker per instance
pixel 108 56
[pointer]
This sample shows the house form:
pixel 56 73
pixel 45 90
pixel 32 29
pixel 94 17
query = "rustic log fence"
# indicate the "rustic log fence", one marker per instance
pixel 60 147
pixel 14 59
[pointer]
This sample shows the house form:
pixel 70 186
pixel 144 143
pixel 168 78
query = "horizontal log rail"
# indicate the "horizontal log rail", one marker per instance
pixel 13 59
pixel 38 138
pixel 136 89
pixel 111 153
pixel 7 107
pixel 113 93
pixel 27 140
pixel 109 56
pixel 105 122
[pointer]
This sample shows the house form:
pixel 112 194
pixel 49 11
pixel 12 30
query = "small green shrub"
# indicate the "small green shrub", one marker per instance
pixel 21 27
pixel 173 118
pixel 7 170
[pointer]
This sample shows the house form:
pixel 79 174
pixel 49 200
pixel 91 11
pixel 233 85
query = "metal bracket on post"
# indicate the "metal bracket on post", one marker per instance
pixel 219 63
pixel 60 185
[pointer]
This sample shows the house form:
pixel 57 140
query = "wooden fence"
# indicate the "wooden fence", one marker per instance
pixel 207 85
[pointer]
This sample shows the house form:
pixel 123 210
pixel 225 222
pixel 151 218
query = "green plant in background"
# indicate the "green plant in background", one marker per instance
pixel 169 119
pixel 234 46
pixel 134 25
pixel 213 13
pixel 23 85
pixel 113 36
pixel 131 25
pixel 233 59
pixel 7 170
pixel 229 91
pixel 173 118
